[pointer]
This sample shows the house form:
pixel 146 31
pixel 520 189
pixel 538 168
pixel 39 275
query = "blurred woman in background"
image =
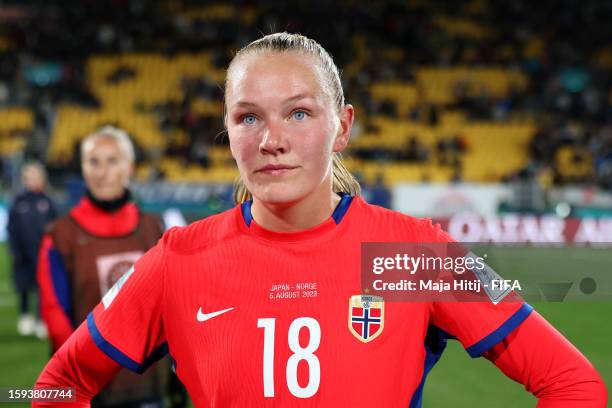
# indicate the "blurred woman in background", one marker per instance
pixel 88 250
pixel 30 211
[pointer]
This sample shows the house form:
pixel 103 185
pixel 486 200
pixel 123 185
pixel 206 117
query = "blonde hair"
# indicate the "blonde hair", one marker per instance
pixel 111 132
pixel 343 180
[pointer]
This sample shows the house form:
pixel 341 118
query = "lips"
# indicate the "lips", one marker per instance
pixel 275 169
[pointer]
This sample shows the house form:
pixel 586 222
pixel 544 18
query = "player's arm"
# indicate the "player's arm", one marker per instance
pixel 78 364
pixel 549 366
pixel 525 347
pixel 54 292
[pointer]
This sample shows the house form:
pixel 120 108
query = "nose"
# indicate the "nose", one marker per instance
pixel 274 140
pixel 100 172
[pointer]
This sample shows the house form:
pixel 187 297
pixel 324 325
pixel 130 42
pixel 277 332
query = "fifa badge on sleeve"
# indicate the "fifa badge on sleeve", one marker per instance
pixel 366 317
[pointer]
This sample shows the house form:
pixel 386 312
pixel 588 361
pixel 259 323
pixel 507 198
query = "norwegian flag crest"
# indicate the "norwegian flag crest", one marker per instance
pixel 366 317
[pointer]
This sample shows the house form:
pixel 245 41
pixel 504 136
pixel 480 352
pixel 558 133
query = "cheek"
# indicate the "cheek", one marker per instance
pixel 314 153
pixel 244 148
pixel 88 172
pixel 317 144
pixel 121 176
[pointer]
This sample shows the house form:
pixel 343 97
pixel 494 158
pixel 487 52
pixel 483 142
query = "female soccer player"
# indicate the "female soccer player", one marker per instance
pixel 254 304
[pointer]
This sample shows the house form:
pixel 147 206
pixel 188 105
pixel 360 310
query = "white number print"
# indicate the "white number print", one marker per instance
pixel 299 353
pixel 306 354
pixel 268 355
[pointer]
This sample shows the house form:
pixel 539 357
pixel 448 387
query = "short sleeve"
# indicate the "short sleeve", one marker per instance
pixel 477 325
pixel 127 325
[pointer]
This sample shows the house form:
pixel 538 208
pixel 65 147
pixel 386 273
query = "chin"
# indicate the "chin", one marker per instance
pixel 281 193
pixel 104 196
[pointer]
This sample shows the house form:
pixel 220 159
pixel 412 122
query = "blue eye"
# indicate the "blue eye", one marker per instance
pixel 299 115
pixel 249 119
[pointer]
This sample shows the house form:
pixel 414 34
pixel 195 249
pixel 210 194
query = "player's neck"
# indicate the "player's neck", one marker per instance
pixel 306 213
pixel 109 206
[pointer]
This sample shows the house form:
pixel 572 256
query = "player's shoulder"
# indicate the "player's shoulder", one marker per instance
pixel 150 219
pixel 21 197
pixel 399 224
pixel 61 224
pixel 205 232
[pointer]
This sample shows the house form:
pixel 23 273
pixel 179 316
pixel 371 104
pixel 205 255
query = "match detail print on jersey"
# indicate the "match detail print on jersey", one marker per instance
pixel 366 317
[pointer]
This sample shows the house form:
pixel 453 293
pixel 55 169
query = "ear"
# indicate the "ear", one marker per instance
pixel 347 116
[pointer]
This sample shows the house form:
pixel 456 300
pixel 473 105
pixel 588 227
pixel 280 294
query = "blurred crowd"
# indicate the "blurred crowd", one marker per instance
pixel 560 46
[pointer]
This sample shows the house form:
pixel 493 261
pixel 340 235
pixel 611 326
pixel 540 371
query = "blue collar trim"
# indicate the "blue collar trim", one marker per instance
pixel 338 214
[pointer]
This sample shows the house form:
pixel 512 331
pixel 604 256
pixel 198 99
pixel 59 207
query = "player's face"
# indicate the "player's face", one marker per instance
pixel 283 126
pixel 33 179
pixel 105 168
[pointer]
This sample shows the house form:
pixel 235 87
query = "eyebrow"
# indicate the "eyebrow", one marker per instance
pixel 285 102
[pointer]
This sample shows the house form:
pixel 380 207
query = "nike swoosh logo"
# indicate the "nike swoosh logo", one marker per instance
pixel 202 317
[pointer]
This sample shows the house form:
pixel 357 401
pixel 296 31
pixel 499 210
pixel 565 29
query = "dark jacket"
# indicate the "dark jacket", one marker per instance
pixel 28 215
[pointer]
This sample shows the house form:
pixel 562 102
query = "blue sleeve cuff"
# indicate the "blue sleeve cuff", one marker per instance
pixel 477 349
pixel 117 355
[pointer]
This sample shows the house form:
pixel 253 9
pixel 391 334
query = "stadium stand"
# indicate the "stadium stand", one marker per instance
pixel 441 96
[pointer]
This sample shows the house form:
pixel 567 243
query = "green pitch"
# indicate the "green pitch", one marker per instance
pixel 456 381
pixel 21 359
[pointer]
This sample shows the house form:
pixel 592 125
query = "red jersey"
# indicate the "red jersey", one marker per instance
pixel 253 317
